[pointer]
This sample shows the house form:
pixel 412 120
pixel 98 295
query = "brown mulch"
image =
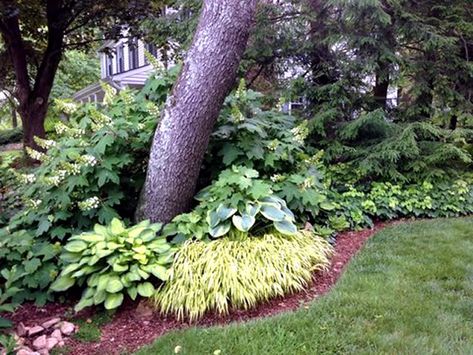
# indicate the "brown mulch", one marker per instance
pixel 128 331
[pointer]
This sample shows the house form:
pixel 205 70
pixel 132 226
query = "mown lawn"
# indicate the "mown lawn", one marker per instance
pixel 410 291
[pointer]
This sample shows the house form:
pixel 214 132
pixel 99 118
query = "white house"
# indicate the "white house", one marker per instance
pixel 123 65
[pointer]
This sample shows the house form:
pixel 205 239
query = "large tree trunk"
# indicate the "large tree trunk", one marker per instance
pixel 32 119
pixel 182 136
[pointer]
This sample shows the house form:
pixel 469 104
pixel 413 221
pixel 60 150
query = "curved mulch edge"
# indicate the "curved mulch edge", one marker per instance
pixel 128 331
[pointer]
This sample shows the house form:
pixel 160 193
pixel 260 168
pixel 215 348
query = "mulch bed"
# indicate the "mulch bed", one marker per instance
pixel 129 330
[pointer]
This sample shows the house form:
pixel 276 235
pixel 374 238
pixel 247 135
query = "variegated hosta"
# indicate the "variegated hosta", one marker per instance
pixel 112 260
pixel 271 208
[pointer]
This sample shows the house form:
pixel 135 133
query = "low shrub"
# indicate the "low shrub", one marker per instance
pixel 113 260
pixel 13 135
pixel 227 273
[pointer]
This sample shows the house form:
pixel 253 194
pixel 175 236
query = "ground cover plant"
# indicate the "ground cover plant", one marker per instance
pixel 407 291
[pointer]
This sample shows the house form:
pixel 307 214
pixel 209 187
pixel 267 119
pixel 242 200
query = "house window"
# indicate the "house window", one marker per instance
pixel 109 65
pixel 133 54
pixel 151 48
pixel 120 59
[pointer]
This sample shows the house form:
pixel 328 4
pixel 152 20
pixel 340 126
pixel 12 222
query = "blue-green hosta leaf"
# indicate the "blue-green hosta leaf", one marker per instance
pixel 99 297
pixel 220 229
pixel 285 227
pixel 117 226
pixel 289 215
pixel 145 289
pixel 243 222
pixel 76 246
pixel 213 219
pixel 273 199
pixel 225 212
pixel 272 213
pixel 113 300
pixel 252 209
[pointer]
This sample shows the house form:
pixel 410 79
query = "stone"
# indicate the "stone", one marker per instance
pixel 144 310
pixel 22 330
pixel 61 344
pixel 51 343
pixel 40 342
pixel 50 323
pixel 43 352
pixel 67 328
pixel 35 330
pixel 26 351
pixel 57 334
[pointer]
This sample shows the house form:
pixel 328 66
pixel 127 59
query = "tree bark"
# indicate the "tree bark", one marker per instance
pixel 182 136
pixel 33 101
pixel 380 90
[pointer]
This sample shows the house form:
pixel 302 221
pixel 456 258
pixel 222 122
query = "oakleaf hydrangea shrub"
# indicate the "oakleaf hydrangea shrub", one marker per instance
pixel 97 160
pixel 113 261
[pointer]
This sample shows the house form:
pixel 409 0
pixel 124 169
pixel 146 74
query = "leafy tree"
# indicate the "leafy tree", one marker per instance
pixel 36 33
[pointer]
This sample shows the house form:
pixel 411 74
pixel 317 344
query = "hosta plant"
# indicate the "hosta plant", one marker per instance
pixel 112 261
pixel 232 205
pixel 226 273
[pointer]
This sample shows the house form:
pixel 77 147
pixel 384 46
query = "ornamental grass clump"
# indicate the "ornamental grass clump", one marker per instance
pixel 228 273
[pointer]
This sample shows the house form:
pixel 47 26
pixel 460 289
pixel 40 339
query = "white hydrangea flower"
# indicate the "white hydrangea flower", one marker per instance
pixel 60 128
pixel 26 178
pixel 153 109
pixel 33 203
pixel 34 154
pixel 300 133
pixel 89 204
pixel 277 178
pixel 88 160
pixel 44 143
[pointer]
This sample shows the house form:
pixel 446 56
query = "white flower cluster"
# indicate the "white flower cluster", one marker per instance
pixel 77 133
pixel 88 160
pixel 237 115
pixel 110 94
pixel 241 90
pixel 71 168
pixel 307 183
pixel 140 126
pixel 89 204
pixel 127 97
pixel 280 104
pixel 273 145
pixel 66 106
pixel 153 109
pixel 56 179
pixel 34 154
pixel 44 143
pixel 277 178
pixel 60 128
pixel 99 120
pixel 33 203
pixel 300 132
pixel 26 178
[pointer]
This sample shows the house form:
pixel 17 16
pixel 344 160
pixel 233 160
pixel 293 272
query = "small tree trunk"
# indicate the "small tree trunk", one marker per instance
pixel 32 118
pixel 380 90
pixel 14 119
pixel 182 136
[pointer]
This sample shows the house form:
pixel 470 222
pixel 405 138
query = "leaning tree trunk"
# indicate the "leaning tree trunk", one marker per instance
pixel 182 136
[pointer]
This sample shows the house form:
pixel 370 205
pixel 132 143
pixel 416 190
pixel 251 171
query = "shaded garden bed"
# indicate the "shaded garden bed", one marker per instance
pixel 132 328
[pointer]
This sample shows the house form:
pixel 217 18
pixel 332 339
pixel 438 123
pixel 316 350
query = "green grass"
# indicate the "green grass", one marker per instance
pixel 409 291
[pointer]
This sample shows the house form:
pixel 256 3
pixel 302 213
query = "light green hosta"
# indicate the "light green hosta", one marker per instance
pixel 226 273
pixel 272 208
pixel 114 260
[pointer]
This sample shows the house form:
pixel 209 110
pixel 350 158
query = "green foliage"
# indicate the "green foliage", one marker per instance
pixel 114 261
pixel 235 203
pixel 13 135
pixel 228 273
pixel 246 134
pixel 98 159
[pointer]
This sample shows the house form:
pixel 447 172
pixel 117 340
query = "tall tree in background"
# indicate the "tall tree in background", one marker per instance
pixel 35 34
pixel 182 136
